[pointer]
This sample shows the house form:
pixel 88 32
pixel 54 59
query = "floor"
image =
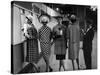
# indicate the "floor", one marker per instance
pixel 68 64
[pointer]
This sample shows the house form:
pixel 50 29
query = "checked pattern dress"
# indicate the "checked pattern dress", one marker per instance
pixel 45 37
pixel 32 46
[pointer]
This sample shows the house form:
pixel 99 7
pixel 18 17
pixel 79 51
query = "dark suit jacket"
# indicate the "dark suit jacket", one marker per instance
pixel 87 40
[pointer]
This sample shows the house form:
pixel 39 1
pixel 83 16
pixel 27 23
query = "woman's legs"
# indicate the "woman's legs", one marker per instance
pixel 60 65
pixel 63 64
pixel 47 64
pixel 77 61
pixel 73 64
pixel 48 68
pixel 87 58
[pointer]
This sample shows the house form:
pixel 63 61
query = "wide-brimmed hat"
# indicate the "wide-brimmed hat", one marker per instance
pixel 44 18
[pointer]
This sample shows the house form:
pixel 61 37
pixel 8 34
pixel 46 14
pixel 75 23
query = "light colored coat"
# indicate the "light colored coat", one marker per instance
pixel 74 40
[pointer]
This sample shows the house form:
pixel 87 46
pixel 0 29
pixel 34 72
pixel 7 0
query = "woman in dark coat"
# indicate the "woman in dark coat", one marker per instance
pixel 87 45
pixel 60 37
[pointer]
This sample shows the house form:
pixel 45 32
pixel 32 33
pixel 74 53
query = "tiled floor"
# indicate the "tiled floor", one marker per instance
pixel 68 64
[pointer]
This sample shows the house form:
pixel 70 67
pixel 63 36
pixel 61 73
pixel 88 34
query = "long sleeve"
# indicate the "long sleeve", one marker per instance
pixel 25 27
pixel 39 34
pixel 53 33
pixel 68 33
pixel 65 36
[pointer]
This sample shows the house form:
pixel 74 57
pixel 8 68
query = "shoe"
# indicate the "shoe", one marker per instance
pixel 50 70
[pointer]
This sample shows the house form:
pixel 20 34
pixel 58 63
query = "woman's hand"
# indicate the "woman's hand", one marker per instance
pixel 26 35
pixel 52 41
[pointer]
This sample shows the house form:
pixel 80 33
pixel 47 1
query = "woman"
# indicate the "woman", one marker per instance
pixel 87 44
pixel 74 40
pixel 45 39
pixel 30 33
pixel 59 35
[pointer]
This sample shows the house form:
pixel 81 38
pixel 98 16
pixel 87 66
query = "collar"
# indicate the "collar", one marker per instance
pixel 89 28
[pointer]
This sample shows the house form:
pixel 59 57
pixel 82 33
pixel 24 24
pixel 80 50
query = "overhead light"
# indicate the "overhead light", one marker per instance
pixel 57 9
pixel 68 14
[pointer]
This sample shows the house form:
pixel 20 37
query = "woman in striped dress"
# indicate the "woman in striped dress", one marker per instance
pixel 32 42
pixel 45 40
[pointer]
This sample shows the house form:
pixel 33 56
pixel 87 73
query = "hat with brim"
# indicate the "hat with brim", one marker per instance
pixel 44 18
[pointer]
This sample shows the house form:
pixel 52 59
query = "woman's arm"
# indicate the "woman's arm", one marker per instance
pixel 52 36
pixel 25 27
pixel 38 34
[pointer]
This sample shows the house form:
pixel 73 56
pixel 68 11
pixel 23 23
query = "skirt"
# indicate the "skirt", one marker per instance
pixel 45 48
pixel 32 50
pixel 60 57
pixel 60 47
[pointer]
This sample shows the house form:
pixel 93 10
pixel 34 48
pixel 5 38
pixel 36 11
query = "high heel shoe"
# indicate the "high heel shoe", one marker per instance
pixel 50 69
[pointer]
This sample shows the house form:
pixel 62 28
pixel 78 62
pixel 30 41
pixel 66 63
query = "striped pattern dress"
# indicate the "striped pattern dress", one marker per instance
pixel 32 46
pixel 45 43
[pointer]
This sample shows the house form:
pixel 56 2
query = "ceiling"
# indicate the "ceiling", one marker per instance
pixel 64 8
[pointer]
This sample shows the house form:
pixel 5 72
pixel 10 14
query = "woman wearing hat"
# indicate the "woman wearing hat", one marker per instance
pixel 30 33
pixel 45 39
pixel 59 35
pixel 74 40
